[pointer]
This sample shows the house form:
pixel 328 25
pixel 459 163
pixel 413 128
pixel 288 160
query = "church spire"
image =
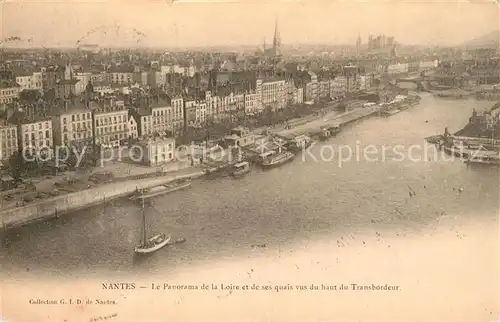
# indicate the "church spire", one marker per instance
pixel 276 39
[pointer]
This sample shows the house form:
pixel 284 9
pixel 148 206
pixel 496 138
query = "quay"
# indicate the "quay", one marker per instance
pixel 64 204
pixel 329 120
pixel 71 202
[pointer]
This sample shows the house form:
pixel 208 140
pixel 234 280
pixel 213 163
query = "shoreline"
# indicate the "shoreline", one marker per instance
pixel 84 199
pixel 340 120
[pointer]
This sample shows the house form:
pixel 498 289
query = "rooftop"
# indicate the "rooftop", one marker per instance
pixel 68 81
pixel 142 111
pixel 71 107
pixel 157 139
pixel 8 84
pixel 101 84
pixel 21 117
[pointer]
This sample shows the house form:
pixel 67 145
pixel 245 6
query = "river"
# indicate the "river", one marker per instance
pixel 304 201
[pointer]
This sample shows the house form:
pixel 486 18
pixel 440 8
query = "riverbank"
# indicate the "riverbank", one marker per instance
pixel 330 120
pixel 60 205
pixel 127 184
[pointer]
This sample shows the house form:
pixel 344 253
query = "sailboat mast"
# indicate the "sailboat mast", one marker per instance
pixel 143 222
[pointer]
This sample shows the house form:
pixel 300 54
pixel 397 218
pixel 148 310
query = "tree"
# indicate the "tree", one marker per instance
pixel 30 95
pixel 268 115
pixel 16 165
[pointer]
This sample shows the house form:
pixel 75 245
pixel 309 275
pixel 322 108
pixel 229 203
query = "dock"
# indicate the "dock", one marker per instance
pixel 69 203
pixel 337 120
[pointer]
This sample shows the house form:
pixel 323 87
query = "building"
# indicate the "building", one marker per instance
pixel 34 132
pixel 252 104
pixel 338 86
pixel 51 75
pixel 110 121
pixel 99 77
pixel 298 95
pixel 430 64
pixel 8 141
pixel 276 49
pixel 240 137
pixel 72 124
pixel 311 87
pixel 190 115
pixel 380 42
pixel 157 79
pixel 177 104
pixel 143 119
pixel 66 89
pixel 323 89
pixel 132 128
pixel 102 88
pixel 9 92
pixel 29 80
pixel 198 109
pixel 365 82
pixel 399 68
pixel 153 152
pixel 272 93
pixel 122 76
pixel 141 78
pixel 37 81
pixel 84 79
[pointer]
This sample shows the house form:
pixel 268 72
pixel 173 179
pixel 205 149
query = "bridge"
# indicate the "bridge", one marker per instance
pixel 416 77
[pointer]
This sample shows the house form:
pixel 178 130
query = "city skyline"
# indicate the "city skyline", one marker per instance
pixel 191 24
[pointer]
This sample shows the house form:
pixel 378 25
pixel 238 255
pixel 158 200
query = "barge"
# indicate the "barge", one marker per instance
pixel 143 194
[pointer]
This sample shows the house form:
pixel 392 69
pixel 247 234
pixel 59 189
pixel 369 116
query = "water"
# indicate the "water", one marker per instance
pixel 287 208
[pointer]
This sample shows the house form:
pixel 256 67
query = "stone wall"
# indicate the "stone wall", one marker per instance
pixel 78 200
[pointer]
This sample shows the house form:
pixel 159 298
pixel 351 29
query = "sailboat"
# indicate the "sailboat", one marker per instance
pixel 151 244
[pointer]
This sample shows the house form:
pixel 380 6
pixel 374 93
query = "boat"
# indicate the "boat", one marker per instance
pixel 178 185
pixel 391 112
pixel 456 151
pixel 328 132
pixel 152 244
pixel 274 158
pixel 484 157
pixel 299 143
pixel 483 160
pixel 161 189
pixel 434 139
pixel 240 169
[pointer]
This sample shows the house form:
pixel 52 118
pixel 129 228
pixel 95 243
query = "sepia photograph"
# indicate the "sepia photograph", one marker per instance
pixel 223 161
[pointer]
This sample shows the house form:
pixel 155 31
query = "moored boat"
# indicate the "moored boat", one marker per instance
pixel 390 112
pixel 434 139
pixel 161 189
pixel 299 143
pixel 328 132
pixel 275 158
pixel 483 160
pixel 240 169
pixel 456 151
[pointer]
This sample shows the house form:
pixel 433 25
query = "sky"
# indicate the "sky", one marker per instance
pixel 157 23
